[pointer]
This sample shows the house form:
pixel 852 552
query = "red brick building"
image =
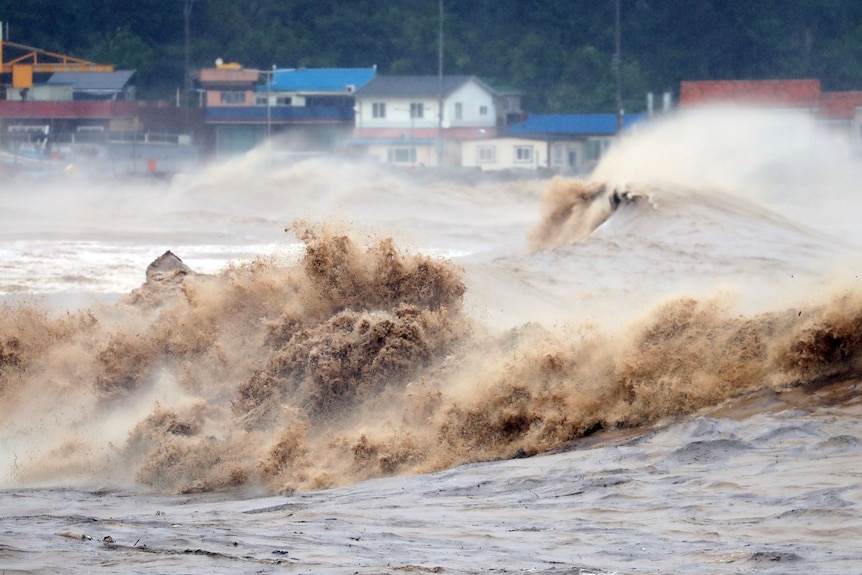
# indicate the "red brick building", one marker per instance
pixel 803 94
pixel 841 111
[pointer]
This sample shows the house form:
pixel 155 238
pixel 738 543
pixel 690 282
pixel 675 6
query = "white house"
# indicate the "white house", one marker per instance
pixel 565 143
pixel 399 119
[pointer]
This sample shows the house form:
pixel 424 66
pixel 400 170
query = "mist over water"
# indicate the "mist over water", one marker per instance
pixel 340 322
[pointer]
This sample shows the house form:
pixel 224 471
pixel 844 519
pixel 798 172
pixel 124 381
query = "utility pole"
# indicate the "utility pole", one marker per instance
pixel 187 14
pixel 440 88
pixel 618 65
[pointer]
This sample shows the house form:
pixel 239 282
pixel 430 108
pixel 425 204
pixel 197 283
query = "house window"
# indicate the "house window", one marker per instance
pixel 592 150
pixel 402 155
pixel 378 109
pixel 558 154
pixel 232 98
pixel 523 153
pixel 459 111
pixel 260 101
pixel 483 110
pixel 283 101
pixel 417 110
pixel 486 154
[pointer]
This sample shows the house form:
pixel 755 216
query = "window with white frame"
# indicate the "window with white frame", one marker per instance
pixel 459 111
pixel 486 154
pixel 378 110
pixel 483 110
pixel 283 101
pixel 417 110
pixel 260 101
pixel 523 154
pixel 232 98
pixel 401 155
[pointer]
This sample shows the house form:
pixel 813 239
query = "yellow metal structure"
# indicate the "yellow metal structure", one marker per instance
pixel 35 61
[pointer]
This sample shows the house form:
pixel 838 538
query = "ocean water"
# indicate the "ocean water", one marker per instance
pixel 650 369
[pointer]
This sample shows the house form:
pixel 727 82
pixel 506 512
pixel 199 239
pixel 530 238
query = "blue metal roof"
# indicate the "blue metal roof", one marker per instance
pixel 318 79
pixel 572 124
pixel 278 114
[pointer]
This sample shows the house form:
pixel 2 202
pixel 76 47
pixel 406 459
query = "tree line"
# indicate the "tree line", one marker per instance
pixel 560 53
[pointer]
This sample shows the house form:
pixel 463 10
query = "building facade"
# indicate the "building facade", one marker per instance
pixel 307 110
pixel 90 120
pixel 840 112
pixel 563 143
pixel 422 120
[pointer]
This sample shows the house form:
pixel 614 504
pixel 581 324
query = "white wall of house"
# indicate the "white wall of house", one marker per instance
pixel 408 155
pixel 567 156
pixel 279 98
pixel 405 113
pixel 505 154
pixel 470 106
pixel 563 156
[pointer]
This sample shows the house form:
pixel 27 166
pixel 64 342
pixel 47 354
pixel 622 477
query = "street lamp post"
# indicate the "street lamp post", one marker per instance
pixel 268 76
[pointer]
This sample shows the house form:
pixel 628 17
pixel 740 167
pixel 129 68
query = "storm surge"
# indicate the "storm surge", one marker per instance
pixel 359 360
pixel 405 324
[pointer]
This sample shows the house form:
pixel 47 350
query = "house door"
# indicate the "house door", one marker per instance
pixel 573 158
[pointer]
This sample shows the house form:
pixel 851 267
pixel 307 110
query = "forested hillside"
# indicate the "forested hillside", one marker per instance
pixel 560 52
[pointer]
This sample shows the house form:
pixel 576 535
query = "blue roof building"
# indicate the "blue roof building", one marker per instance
pixel 318 80
pixel 561 143
pixel 307 110
pixel 569 125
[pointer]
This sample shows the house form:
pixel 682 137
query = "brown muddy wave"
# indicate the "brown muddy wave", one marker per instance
pixel 572 209
pixel 358 361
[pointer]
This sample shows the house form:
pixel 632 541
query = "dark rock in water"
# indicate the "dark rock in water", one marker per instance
pixel 167 263
pixel 165 277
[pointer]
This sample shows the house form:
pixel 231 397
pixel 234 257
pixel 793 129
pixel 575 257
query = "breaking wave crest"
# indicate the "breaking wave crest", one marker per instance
pixel 358 361
pixel 572 209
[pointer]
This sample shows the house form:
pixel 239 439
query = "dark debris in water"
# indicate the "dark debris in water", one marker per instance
pixel 774 557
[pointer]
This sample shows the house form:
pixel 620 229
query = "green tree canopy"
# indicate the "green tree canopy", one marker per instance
pixel 559 52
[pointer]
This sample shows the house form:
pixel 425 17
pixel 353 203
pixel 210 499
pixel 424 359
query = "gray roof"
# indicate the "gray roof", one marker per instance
pixel 412 86
pixel 93 81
